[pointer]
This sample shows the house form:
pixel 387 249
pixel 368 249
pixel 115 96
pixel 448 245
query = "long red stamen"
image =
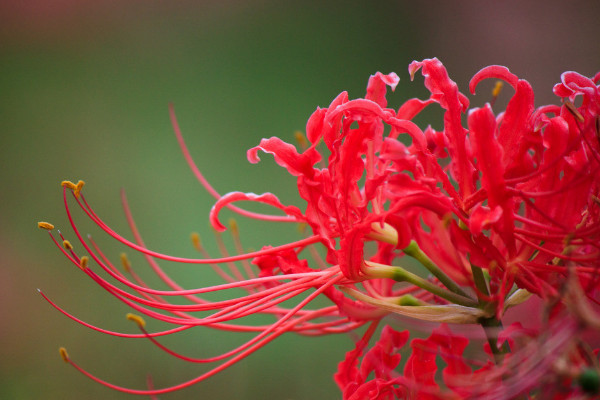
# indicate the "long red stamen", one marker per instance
pixel 246 256
pixel 225 365
pixel 200 177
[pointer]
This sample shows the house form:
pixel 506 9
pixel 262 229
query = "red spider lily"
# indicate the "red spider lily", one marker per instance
pixel 495 211
pixel 418 378
pixel 549 159
pixel 554 362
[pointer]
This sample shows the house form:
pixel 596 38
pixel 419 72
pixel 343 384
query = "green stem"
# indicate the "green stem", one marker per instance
pixel 399 274
pixel 491 325
pixel 480 281
pixel 415 252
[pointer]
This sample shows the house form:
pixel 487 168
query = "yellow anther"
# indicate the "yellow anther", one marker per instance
pixel 233 225
pixel 137 319
pixel 125 262
pixel 45 225
pixel 67 245
pixel 195 237
pixel 497 88
pixel 301 139
pixel 68 185
pixel 79 187
pixel 573 110
pixel 63 354
pixel 76 188
pixel 83 262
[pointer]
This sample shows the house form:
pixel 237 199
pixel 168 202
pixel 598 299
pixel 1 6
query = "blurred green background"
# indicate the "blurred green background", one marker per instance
pixel 84 89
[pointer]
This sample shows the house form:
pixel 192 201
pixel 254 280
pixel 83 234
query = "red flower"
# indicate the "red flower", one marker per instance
pixel 418 379
pixel 493 212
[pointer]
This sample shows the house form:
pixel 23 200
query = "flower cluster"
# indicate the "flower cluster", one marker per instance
pixel 494 208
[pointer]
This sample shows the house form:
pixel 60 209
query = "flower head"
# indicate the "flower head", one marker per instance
pixel 491 212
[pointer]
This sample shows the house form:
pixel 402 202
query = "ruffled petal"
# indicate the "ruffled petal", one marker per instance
pixel 445 92
pixel 286 156
pixel 493 71
pixel 412 107
pixel 482 126
pixel 452 348
pixel 482 218
pixel 513 131
pixel 377 87
pixel 421 366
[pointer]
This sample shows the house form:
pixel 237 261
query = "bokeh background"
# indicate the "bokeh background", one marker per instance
pixel 84 89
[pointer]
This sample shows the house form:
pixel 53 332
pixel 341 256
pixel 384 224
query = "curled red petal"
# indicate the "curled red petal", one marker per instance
pixel 413 67
pixel 417 135
pixel 561 90
pixel 421 366
pixel 482 217
pixel 445 92
pixel 348 377
pixel 451 351
pixel 402 226
pixel 493 71
pixel 314 126
pixel 359 110
pixel 573 83
pixel 512 132
pixel 576 81
pixel 384 357
pixel 376 88
pixel 491 162
pixel 266 198
pixel 412 107
pixel 350 255
pixel 286 156
pixel 482 126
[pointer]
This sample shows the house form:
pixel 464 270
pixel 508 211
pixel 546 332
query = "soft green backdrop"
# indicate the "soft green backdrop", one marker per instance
pixel 84 88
